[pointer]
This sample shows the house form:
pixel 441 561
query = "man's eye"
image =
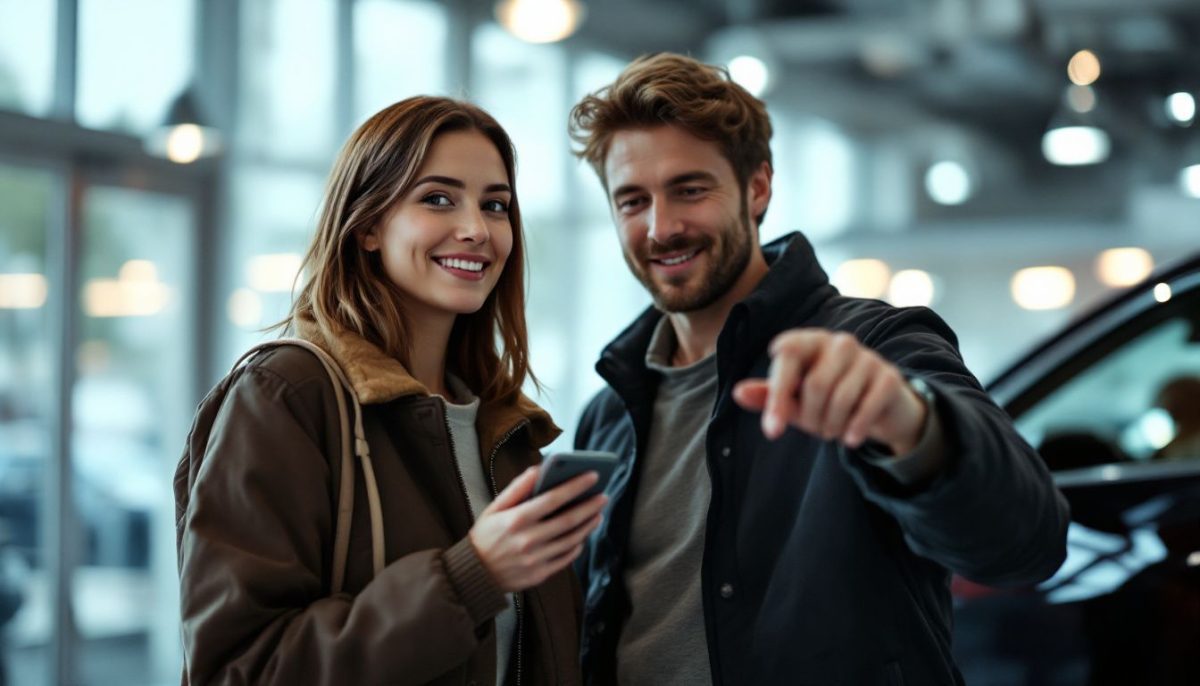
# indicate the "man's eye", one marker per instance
pixel 628 204
pixel 691 190
pixel 437 200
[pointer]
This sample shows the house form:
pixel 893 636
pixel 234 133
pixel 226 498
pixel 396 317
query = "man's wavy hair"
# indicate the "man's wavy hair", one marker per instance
pixel 347 287
pixel 666 88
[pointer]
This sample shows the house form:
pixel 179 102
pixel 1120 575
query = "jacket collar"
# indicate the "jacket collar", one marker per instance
pixel 795 282
pixel 380 378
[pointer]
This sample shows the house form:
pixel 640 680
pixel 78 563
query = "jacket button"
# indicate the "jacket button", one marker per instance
pixel 726 591
pixel 598 628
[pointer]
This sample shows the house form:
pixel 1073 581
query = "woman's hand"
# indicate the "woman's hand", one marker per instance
pixel 516 541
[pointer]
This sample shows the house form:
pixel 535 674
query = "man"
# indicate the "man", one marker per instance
pixel 801 472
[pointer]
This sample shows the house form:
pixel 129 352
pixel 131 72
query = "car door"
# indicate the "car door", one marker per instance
pixel 1113 406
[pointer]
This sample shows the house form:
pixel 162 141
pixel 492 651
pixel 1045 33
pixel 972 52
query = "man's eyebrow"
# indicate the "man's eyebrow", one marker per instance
pixel 626 190
pixel 677 180
pixel 688 177
pixel 456 183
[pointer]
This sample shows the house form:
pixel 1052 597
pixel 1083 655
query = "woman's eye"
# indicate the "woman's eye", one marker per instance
pixel 496 206
pixel 437 200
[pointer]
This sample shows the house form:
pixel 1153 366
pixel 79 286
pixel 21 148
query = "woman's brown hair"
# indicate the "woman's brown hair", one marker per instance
pixel 666 88
pixel 347 287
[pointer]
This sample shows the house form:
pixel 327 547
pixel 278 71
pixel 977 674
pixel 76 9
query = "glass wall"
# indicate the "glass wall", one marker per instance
pixel 134 58
pixel 27 196
pixel 27 56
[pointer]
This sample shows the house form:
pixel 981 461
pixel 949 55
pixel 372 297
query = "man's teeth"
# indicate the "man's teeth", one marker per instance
pixel 464 265
pixel 670 262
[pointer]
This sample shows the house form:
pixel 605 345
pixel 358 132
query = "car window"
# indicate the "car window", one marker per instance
pixel 1139 402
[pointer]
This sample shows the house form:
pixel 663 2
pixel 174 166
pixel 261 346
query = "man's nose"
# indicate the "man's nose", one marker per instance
pixel 663 223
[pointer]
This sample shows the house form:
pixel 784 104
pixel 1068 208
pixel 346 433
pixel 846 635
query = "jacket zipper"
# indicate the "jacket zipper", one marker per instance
pixel 462 483
pixel 495 492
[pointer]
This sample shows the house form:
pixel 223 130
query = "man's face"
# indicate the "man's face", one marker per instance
pixel 681 216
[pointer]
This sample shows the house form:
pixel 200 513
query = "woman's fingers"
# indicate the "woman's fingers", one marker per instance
pixel 563 560
pixel 570 539
pixel 516 492
pixel 559 525
pixel 550 501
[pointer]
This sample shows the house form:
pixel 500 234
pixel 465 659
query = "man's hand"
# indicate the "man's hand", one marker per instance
pixel 830 385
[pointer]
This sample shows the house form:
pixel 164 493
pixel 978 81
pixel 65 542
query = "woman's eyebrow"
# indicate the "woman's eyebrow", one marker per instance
pixel 457 183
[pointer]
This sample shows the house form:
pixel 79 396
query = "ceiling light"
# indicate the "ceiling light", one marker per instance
pixel 911 288
pixel 274 273
pixel 948 183
pixel 184 136
pixel 1076 145
pixel 1123 266
pixel 136 292
pixel 1189 180
pixel 1084 68
pixel 245 308
pixel 1181 108
pixel 22 291
pixel 1162 292
pixel 750 73
pixel 1043 288
pixel 540 21
pixel 864 278
pixel 1082 99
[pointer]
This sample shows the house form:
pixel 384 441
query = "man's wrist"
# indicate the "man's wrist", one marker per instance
pixel 927 456
pixel 925 407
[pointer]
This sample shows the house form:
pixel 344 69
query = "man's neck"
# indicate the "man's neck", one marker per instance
pixel 696 332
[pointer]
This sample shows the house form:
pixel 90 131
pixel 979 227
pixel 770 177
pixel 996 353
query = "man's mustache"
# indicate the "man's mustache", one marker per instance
pixel 676 244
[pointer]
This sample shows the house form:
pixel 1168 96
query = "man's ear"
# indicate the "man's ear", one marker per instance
pixel 758 189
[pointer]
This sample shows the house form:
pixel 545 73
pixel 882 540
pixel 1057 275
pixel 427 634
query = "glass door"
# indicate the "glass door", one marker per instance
pixel 132 400
pixel 27 196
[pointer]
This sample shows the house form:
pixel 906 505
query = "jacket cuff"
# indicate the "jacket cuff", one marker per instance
pixel 474 584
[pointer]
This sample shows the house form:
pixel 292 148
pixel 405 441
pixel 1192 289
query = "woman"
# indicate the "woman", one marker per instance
pixel 415 288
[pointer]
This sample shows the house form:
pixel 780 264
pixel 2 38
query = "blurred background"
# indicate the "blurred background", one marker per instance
pixel 1008 162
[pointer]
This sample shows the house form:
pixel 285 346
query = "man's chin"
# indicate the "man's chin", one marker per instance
pixel 678 300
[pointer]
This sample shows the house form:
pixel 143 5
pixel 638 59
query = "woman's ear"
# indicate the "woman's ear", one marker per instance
pixel 369 240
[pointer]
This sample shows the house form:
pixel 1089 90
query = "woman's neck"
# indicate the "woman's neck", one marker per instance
pixel 430 338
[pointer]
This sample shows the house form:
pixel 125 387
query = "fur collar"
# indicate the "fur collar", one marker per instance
pixel 378 378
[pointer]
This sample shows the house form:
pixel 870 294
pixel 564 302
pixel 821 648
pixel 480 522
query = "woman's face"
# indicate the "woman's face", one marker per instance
pixel 446 240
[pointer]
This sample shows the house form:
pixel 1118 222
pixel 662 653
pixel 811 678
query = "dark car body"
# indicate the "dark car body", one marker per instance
pixel 1112 403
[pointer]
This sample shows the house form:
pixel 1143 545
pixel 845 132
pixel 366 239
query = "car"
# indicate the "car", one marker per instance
pixel 1112 403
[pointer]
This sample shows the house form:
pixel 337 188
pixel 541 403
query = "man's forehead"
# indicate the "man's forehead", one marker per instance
pixel 645 155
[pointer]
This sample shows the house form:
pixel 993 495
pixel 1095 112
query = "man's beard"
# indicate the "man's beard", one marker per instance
pixel 728 255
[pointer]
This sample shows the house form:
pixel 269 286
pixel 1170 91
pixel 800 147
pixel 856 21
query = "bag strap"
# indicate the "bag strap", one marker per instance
pixel 345 504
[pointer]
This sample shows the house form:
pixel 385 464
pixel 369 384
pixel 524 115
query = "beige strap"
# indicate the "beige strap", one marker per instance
pixel 345 506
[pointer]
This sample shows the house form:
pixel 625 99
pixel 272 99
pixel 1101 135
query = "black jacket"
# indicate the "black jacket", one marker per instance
pixel 839 575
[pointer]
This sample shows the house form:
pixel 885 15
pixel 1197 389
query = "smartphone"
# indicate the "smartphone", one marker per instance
pixel 562 467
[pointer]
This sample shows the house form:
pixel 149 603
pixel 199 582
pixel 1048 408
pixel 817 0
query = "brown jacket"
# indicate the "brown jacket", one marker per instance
pixel 256 538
